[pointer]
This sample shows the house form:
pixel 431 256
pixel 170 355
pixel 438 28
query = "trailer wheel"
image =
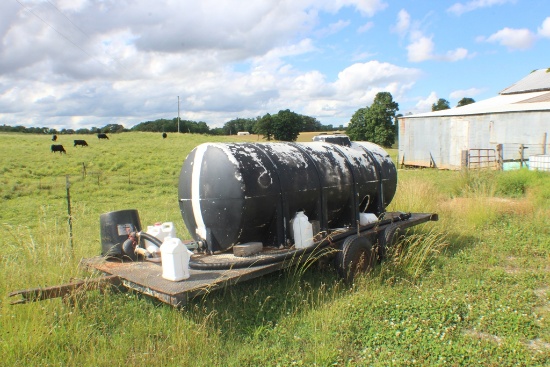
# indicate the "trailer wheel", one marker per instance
pixel 389 238
pixel 356 256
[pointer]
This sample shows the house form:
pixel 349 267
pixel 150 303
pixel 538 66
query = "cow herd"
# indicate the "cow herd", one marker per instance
pixel 77 142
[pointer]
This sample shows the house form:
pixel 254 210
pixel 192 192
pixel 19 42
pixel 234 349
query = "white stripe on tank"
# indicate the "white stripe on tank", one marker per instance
pixel 195 190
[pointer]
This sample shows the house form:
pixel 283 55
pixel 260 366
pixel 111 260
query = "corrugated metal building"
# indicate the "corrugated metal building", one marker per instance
pixel 479 133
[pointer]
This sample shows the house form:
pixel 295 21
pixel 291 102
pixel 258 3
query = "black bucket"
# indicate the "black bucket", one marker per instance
pixel 115 227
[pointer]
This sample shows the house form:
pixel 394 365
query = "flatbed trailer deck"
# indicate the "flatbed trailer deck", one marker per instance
pixel 146 276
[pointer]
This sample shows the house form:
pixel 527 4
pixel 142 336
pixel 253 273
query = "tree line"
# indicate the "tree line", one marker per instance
pixel 285 126
pixel 376 123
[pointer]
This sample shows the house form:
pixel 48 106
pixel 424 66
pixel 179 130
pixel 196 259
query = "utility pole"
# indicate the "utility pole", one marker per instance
pixel 178 114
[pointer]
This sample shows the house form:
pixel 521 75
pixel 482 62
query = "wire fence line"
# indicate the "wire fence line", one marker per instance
pixel 27 184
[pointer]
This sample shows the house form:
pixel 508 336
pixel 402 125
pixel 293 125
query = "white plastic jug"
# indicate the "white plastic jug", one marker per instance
pixel 168 229
pixel 160 231
pixel 366 218
pixel 302 231
pixel 175 259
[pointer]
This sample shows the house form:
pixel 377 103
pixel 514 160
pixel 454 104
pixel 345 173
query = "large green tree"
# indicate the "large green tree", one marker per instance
pixel 287 125
pixel 264 126
pixel 441 104
pixel 375 123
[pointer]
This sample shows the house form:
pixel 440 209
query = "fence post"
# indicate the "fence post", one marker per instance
pixel 521 150
pixel 464 159
pixel 83 170
pixel 500 157
pixel 67 183
pixel 544 143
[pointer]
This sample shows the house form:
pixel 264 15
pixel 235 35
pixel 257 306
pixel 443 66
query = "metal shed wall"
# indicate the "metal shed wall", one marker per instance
pixel 429 141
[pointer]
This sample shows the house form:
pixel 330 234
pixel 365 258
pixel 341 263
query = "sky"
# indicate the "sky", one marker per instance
pixel 69 64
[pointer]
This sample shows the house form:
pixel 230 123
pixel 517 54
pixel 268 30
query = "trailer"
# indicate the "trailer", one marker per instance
pixel 354 250
pixel 252 209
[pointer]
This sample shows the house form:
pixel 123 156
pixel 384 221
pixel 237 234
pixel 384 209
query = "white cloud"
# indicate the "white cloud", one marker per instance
pixel 362 56
pixel 461 8
pixel 459 94
pixel 513 39
pixel 334 28
pixel 544 30
pixel 356 87
pixel 425 104
pixel 366 7
pixel 361 77
pixel 455 55
pixel 365 27
pixel 403 23
pixel 420 49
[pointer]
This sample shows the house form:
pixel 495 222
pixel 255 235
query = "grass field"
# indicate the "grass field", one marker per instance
pixel 471 289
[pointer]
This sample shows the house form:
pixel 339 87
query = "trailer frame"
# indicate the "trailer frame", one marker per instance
pixel 146 276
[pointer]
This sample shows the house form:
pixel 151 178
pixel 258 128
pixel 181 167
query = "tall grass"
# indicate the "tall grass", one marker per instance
pixel 470 289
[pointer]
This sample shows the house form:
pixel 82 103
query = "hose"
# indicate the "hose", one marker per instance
pixel 256 262
pixel 129 246
pixel 290 254
pixel 150 238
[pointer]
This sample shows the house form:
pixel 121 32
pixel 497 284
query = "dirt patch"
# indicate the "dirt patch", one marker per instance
pixel 544 309
pixel 538 345
pixel 541 292
pixel 483 336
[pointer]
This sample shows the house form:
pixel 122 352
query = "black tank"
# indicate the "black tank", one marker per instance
pixel 246 192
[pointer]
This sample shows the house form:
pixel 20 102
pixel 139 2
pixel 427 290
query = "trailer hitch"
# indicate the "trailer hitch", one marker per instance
pixel 39 294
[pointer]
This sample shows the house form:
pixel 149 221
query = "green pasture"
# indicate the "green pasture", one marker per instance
pixel 471 289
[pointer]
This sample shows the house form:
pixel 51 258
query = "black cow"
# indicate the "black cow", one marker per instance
pixel 164 135
pixel 80 142
pixel 54 137
pixel 102 136
pixel 58 148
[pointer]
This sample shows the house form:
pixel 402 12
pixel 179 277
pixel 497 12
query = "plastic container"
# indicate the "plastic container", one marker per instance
pixel 302 231
pixel 367 218
pixel 175 259
pixel 160 231
pixel 115 228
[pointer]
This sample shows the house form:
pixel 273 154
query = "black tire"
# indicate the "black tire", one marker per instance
pixel 356 256
pixel 389 237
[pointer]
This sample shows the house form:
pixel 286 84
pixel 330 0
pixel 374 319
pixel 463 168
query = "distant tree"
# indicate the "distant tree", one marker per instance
pixel 465 101
pixel 217 131
pixel 375 123
pixel 287 125
pixel 310 123
pixel 83 130
pixel 201 128
pixel 264 126
pixel 112 128
pixel 441 104
pixel 232 127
